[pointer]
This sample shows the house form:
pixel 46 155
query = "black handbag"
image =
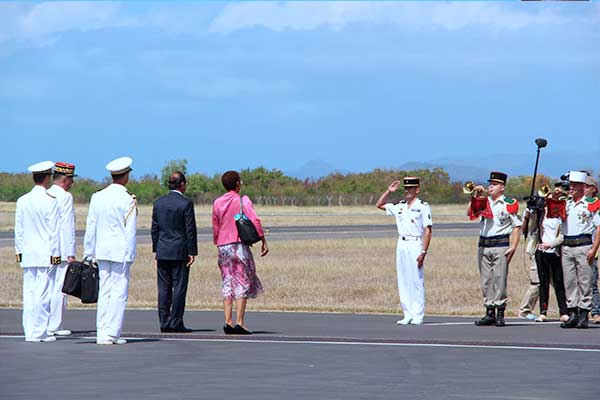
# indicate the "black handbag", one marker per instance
pixel 82 281
pixel 245 227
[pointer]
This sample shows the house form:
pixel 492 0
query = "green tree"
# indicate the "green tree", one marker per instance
pixel 170 167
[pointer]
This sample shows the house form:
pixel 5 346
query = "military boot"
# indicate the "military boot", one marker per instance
pixel 489 318
pixel 500 316
pixel 572 321
pixel 582 321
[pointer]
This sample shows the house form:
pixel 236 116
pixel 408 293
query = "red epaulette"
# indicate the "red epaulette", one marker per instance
pixel 593 204
pixel 512 205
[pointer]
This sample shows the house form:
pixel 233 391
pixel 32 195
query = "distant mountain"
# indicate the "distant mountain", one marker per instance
pixel 314 169
pixel 477 167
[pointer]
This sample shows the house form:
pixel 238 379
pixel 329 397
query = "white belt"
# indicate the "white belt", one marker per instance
pixel 413 238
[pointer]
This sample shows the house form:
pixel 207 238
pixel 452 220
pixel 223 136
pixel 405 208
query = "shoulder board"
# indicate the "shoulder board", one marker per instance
pixel 593 203
pixel 102 188
pixel 50 195
pixel 509 200
pixel 131 194
pixel 402 202
pixel 424 203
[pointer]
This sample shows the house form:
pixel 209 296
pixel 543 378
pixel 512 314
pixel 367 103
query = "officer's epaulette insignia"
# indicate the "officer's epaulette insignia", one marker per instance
pixel 50 195
pixel 593 203
pixel 512 205
pixel 102 188
pixel 131 194
pixel 424 203
pixel 402 202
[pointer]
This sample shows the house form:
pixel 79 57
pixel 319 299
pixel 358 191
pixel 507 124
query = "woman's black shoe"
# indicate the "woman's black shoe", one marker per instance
pixel 240 330
pixel 228 329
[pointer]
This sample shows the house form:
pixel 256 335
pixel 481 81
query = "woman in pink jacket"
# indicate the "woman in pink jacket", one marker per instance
pixel 235 259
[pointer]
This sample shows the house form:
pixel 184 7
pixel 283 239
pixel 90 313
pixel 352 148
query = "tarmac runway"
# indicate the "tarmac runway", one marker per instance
pixel 303 356
pixel 448 229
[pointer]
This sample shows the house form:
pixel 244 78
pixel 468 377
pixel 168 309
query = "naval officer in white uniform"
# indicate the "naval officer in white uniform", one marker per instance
pixel 110 239
pixel 63 180
pixel 413 217
pixel 38 250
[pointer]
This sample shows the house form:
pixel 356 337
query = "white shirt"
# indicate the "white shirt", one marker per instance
pixel 503 222
pixel 411 221
pixel 37 228
pixel 580 220
pixel 67 221
pixel 111 225
pixel 550 232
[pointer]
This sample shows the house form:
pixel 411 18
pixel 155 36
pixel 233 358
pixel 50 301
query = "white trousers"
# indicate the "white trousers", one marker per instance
pixel 411 286
pixel 112 298
pixel 58 300
pixel 37 289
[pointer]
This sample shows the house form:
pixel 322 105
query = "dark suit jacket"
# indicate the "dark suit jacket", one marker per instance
pixel 173 230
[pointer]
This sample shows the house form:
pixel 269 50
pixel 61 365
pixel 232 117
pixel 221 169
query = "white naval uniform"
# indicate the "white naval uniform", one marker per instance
pixel 36 239
pixel 58 300
pixel 110 239
pixel 411 222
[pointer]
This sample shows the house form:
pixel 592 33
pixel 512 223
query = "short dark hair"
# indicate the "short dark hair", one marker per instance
pixel 176 179
pixel 230 179
pixel 119 176
pixel 39 178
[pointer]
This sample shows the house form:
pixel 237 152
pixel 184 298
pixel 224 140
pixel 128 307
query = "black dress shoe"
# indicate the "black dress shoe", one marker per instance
pixel 183 329
pixel 240 330
pixel 165 330
pixel 228 329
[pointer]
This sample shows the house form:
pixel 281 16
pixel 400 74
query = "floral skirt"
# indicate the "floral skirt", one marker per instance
pixel 238 272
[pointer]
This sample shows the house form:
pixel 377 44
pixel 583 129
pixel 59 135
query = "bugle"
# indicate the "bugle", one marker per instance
pixel 469 188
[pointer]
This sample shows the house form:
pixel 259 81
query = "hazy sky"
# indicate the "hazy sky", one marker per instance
pixel 234 85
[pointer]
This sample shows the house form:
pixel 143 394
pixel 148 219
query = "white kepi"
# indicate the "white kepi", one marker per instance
pixel 44 167
pixel 119 166
pixel 577 176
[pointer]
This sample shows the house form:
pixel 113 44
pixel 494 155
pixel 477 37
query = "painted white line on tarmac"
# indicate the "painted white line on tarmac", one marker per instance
pixel 310 342
pixel 508 323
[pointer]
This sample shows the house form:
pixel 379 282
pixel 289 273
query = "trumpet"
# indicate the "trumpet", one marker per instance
pixel 544 191
pixel 469 188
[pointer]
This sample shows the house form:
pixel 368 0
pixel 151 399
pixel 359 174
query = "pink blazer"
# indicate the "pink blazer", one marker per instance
pixel 223 222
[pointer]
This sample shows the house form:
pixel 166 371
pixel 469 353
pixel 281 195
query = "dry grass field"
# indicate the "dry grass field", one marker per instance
pixel 272 215
pixel 350 275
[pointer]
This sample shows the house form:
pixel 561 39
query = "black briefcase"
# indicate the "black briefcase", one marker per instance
pixel 90 283
pixel 82 281
pixel 72 283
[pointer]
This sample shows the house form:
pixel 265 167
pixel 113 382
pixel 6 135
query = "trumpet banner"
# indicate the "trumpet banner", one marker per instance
pixel 556 208
pixel 480 208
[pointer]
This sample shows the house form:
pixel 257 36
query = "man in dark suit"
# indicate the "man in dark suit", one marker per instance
pixel 174 240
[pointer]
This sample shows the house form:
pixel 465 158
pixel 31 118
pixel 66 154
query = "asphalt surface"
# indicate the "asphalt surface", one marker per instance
pixel 448 229
pixel 303 355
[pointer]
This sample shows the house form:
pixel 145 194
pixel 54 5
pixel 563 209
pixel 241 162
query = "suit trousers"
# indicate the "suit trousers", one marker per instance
pixel 172 279
pixel 410 277
pixel 58 300
pixel 577 273
pixel 37 289
pixel 533 291
pixel 493 271
pixel 112 298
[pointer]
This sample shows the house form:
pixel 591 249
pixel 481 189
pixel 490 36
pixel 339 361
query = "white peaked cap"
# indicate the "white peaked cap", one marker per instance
pixel 41 167
pixel 577 176
pixel 119 165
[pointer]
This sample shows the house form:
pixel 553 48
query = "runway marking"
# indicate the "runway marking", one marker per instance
pixel 520 322
pixel 343 343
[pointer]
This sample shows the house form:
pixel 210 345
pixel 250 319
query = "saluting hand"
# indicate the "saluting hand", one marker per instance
pixel 191 260
pixel 394 186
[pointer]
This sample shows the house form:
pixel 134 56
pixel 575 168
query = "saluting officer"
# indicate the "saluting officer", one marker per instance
pixel 63 180
pixel 38 250
pixel 579 250
pixel 413 218
pixel 498 240
pixel 110 239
